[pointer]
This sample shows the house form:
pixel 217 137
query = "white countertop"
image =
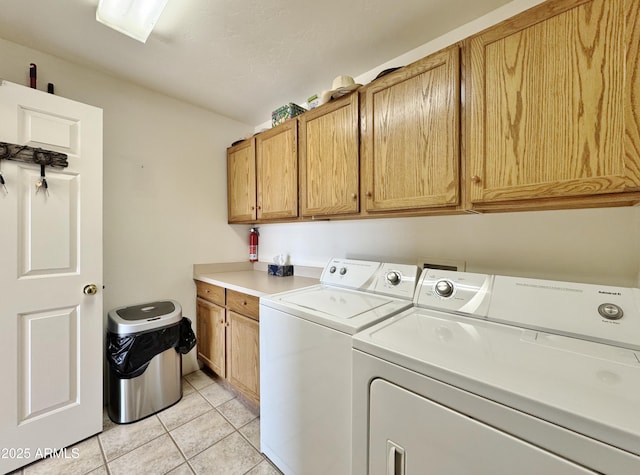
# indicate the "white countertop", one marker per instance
pixel 248 280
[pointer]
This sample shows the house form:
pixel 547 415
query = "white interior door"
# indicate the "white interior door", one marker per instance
pixel 51 343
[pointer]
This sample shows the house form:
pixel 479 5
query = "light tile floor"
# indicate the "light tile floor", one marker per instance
pixel 208 432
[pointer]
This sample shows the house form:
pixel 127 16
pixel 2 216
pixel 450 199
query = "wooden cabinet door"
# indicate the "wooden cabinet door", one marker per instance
pixel 329 158
pixel 241 182
pixel 553 103
pixel 277 171
pixel 210 325
pixel 410 136
pixel 244 354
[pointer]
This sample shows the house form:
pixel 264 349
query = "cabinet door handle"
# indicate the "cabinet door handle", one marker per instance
pixel 369 194
pixel 475 179
pixel 354 196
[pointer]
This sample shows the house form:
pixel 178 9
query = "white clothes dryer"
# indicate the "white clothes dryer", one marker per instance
pixel 500 375
pixel 305 360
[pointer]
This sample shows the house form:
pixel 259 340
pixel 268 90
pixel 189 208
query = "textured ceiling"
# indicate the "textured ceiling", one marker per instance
pixel 240 58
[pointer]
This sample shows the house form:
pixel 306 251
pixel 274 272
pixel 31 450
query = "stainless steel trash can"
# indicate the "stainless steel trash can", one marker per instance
pixel 149 385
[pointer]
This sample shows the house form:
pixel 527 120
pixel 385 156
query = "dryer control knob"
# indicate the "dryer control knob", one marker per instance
pixel 393 277
pixel 610 311
pixel 343 270
pixel 444 288
pixel 332 270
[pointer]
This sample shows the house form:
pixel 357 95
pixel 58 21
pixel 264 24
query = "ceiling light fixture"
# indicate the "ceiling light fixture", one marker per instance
pixel 134 18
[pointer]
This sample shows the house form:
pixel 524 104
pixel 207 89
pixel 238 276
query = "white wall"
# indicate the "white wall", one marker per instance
pixel 591 245
pixel 164 182
pixel 465 31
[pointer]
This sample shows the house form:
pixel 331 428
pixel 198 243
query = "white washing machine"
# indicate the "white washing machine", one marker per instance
pixel 500 375
pixel 305 361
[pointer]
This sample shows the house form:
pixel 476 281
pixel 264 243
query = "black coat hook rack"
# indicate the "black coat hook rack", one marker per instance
pixel 38 156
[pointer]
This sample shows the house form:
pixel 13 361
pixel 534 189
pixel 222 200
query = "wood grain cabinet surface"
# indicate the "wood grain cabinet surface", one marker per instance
pixel 242 303
pixel 262 176
pixel 537 112
pixel 228 333
pixel 212 293
pixel 277 172
pixel 329 159
pixel 243 358
pixel 410 133
pixel 241 182
pixel 210 326
pixel 553 97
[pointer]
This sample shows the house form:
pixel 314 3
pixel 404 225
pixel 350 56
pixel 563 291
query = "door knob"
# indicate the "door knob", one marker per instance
pixel 90 289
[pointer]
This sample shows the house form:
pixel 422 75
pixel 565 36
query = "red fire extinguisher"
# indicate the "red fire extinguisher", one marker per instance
pixel 253 244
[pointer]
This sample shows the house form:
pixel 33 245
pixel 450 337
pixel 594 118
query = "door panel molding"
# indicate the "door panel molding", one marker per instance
pixel 48 224
pixel 47 379
pixel 40 128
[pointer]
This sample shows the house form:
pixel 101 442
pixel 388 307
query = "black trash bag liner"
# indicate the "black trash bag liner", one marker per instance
pixel 187 338
pixel 129 355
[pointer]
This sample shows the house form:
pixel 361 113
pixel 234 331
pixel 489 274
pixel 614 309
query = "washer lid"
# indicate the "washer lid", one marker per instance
pixel 588 387
pixel 143 317
pixel 344 310
pixel 336 302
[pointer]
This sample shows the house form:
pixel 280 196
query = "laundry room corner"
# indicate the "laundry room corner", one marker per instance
pixel 164 182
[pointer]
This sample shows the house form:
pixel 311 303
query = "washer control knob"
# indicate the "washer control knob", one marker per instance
pixel 610 311
pixel 332 270
pixel 343 270
pixel 444 288
pixel 393 277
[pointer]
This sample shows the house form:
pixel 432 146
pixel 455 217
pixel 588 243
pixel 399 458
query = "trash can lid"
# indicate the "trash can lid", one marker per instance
pixel 144 317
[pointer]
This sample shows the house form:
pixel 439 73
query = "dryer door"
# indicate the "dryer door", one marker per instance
pixel 412 435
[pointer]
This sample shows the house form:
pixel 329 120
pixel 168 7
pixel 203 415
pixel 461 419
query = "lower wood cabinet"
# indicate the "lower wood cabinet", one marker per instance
pixel 210 326
pixel 243 342
pixel 228 333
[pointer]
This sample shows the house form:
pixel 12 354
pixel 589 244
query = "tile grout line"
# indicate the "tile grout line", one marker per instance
pixel 168 432
pixel 213 408
pixel 104 455
pixel 185 422
pixel 235 429
pixel 193 470
pixel 165 430
pixel 135 448
pixel 186 459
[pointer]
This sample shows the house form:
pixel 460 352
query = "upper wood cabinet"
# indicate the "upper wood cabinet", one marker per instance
pixel 553 96
pixel 277 172
pixel 410 131
pixel 241 182
pixel 329 158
